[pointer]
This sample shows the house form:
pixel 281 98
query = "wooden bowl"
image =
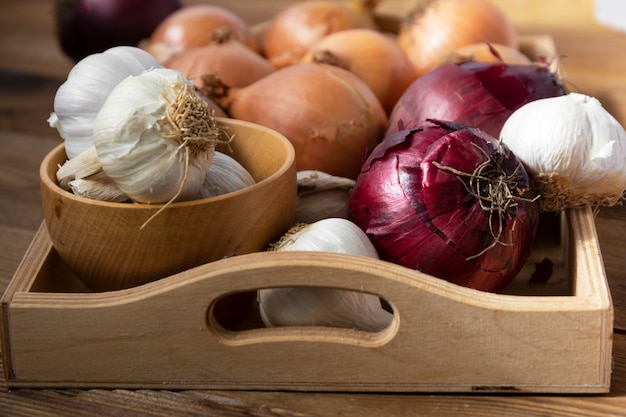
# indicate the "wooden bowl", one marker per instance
pixel 103 244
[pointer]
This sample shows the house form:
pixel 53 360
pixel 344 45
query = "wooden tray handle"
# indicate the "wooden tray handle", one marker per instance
pixel 415 298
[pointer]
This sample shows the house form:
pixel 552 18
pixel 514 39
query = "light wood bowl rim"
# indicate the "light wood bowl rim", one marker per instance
pixel 53 185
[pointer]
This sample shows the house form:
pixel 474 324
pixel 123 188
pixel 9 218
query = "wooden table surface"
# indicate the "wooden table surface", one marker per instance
pixel 31 69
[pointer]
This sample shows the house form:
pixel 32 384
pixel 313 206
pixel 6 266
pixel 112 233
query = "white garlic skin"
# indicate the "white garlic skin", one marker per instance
pixel 79 99
pixel 321 196
pixel 320 306
pixel 572 135
pixel 225 175
pixel 335 235
pixel 133 148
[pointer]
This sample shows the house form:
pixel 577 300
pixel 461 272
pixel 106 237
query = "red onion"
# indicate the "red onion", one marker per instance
pixel 89 26
pixel 477 94
pixel 450 201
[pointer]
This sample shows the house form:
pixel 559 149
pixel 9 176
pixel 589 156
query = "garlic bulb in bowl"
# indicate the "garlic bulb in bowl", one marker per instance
pixel 107 247
pixel 79 99
pixel 155 137
pixel 572 147
pixel 225 175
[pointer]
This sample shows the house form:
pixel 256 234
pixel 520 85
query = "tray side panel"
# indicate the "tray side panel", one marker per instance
pixel 444 338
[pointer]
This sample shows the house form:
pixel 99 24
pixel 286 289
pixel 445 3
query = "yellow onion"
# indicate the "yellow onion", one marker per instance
pixel 329 114
pixel 215 109
pixel 375 57
pixel 488 52
pixel 296 28
pixel 438 27
pixel 236 64
pixel 192 26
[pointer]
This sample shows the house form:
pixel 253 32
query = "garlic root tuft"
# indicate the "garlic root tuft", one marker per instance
pixel 557 193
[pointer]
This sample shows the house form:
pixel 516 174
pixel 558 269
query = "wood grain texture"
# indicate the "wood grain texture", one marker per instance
pixel 31 67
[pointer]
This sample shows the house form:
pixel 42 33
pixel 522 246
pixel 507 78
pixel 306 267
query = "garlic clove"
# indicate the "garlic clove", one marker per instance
pixel 225 175
pixel 321 196
pixel 98 187
pixel 312 181
pixel 81 166
pixel 312 207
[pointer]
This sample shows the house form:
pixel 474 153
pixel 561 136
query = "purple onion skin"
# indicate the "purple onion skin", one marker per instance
pixel 477 94
pixel 424 218
pixel 85 27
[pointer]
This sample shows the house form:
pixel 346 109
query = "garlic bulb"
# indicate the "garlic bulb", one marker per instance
pixel 155 137
pixel 321 195
pixel 320 306
pixel 79 99
pixel 573 148
pixel 225 175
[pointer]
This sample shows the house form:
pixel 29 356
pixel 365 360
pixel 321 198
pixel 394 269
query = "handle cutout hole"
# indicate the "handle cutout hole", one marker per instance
pixel 303 313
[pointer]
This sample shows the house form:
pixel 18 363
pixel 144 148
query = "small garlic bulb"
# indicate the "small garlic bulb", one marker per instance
pixel 573 148
pixel 155 137
pixel 79 99
pixel 320 306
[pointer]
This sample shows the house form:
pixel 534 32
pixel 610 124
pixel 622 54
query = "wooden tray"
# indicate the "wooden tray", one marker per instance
pixel 550 337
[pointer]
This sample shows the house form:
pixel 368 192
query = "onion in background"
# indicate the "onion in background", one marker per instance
pixel 192 26
pixel 438 27
pixel 332 118
pixel 85 27
pixel 477 94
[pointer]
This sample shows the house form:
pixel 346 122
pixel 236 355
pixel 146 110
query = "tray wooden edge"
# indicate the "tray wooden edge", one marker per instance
pixel 592 296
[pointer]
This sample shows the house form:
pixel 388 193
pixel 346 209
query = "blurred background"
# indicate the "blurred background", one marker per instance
pixel 28 42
